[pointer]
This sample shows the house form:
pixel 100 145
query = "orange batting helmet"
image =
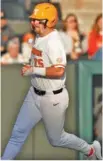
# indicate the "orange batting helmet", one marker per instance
pixel 45 11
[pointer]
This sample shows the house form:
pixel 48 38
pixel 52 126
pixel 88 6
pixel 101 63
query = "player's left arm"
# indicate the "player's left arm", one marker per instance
pixel 50 72
pixel 57 58
pixel 55 71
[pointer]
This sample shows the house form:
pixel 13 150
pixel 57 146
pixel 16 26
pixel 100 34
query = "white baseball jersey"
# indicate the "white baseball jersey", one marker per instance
pixel 46 52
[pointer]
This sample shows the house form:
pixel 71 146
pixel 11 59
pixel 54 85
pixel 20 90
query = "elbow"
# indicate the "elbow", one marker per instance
pixel 60 72
pixel 55 72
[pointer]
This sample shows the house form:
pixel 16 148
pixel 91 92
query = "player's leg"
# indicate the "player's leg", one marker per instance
pixel 28 116
pixel 53 114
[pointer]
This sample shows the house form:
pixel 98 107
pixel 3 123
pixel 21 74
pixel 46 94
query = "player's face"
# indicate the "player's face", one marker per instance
pixel 37 26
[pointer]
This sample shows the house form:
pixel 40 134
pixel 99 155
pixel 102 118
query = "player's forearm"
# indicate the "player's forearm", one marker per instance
pixel 50 72
pixel 54 72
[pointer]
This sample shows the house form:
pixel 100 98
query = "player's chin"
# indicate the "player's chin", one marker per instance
pixel 37 30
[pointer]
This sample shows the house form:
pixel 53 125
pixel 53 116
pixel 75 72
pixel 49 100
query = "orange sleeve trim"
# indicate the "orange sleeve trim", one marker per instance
pixel 59 65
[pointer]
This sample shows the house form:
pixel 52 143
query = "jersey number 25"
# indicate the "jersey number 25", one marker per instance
pixel 38 62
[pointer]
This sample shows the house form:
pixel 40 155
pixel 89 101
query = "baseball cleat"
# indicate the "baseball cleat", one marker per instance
pixel 97 151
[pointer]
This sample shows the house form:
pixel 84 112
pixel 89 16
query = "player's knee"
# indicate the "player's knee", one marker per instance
pixel 18 134
pixel 54 142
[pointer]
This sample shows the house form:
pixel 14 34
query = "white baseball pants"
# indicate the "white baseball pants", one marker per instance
pixel 51 109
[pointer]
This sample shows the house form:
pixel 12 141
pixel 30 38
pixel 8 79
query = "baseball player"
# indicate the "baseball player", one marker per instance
pixel 47 98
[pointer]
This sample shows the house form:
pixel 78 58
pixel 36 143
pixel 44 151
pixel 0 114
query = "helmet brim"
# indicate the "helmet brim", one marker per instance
pixel 32 16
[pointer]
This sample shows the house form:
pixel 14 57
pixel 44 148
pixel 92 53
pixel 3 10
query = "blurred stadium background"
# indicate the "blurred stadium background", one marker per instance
pixel 17 12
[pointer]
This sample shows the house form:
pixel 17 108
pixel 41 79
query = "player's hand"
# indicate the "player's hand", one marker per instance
pixel 26 70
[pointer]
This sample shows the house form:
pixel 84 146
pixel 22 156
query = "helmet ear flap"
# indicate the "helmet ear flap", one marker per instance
pixel 51 23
